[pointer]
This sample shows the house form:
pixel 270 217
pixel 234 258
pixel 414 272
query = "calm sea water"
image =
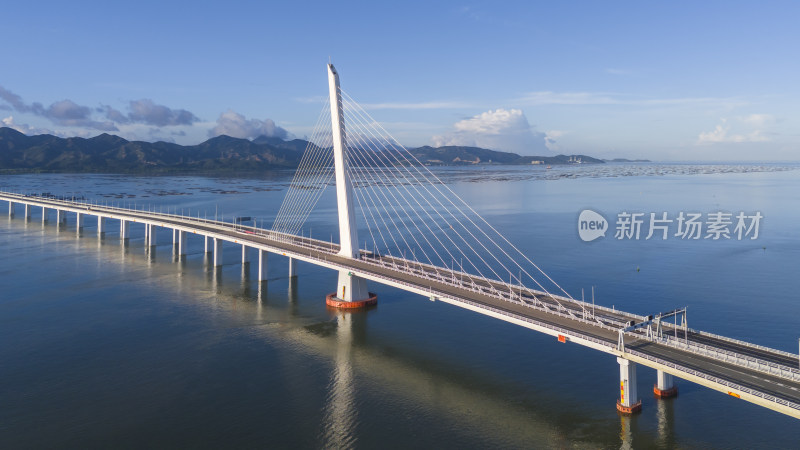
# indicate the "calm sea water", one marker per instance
pixel 104 345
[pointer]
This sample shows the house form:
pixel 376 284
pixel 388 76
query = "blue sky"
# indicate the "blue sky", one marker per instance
pixel 664 81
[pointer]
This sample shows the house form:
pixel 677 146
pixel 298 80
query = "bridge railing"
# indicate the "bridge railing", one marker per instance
pixel 745 344
pixel 751 362
pixel 514 293
pixel 486 290
pixel 440 294
pixel 717 380
pixel 93 207
pixel 100 207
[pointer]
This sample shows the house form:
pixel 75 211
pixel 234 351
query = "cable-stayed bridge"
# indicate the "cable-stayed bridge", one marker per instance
pixel 399 225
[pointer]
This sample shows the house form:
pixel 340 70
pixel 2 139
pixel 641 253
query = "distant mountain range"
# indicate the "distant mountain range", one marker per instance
pixel 223 154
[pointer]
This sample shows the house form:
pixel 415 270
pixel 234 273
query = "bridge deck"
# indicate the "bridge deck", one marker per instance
pixel 764 376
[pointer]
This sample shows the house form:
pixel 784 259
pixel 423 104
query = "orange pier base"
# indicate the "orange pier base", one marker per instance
pixel 635 408
pixel 665 393
pixel 334 302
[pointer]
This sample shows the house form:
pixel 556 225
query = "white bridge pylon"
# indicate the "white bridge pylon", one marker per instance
pixel 350 288
pixel 348 232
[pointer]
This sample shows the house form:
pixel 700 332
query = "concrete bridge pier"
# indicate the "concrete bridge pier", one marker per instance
pixel 101 225
pixel 11 209
pixel 292 267
pixel 61 217
pixel 44 215
pixel 629 402
pixel 217 252
pixel 181 244
pixel 665 387
pixel 124 229
pixel 351 293
pixel 207 241
pixel 262 265
pixel 78 222
pixel 245 256
pixel 27 212
pixel 150 232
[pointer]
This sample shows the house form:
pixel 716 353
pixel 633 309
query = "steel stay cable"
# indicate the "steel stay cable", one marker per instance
pixel 300 173
pixel 404 185
pixel 439 182
pixel 367 192
pixel 369 155
pixel 295 194
pixel 402 236
pixel 485 263
pixel 363 210
pixel 528 290
pixel 309 177
pixel 415 185
pixel 306 191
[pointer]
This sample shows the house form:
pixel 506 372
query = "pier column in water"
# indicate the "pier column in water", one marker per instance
pixel 181 243
pixel 262 265
pixel 61 217
pixel 124 229
pixel 245 258
pixel 292 267
pixel 11 209
pixel 101 225
pixel 28 212
pixel 78 221
pixel 44 214
pixel 217 252
pixel 665 387
pixel 151 235
pixel 628 402
pixel 206 239
pixel 351 293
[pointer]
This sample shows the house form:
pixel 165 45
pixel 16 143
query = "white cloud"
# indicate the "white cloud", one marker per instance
pixel 150 113
pixel 751 130
pixel 500 129
pixel 64 112
pixel 551 139
pixel 24 128
pixel 233 124
pixel 758 120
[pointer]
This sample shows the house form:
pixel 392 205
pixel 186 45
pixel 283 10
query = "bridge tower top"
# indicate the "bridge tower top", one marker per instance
pixel 348 233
